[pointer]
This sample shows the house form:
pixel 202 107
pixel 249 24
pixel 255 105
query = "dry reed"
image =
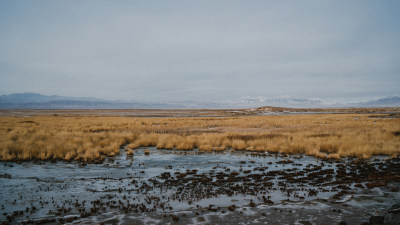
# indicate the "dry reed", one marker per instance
pixel 93 138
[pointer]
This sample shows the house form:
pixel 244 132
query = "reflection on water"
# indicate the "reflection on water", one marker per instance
pixel 195 187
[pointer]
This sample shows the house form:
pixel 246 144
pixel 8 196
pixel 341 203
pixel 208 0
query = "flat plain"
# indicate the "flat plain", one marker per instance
pixel 264 165
pixel 94 134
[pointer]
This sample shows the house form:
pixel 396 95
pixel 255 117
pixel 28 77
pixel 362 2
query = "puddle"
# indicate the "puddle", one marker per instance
pixel 192 187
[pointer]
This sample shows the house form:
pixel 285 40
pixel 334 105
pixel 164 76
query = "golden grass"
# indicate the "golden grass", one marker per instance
pixel 92 138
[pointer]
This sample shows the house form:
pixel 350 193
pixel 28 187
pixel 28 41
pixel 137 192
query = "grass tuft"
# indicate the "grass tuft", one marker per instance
pixel 92 138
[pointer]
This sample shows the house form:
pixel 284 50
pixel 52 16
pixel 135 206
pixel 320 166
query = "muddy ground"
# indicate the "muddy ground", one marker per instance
pixel 193 187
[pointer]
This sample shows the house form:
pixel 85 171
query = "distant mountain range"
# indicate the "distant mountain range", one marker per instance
pixel 393 101
pixel 280 101
pixel 303 102
pixel 38 101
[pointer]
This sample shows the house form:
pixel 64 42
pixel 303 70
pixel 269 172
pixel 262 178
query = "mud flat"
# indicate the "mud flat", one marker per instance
pixel 194 187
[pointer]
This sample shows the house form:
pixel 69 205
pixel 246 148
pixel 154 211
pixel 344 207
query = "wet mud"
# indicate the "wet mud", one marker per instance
pixel 193 187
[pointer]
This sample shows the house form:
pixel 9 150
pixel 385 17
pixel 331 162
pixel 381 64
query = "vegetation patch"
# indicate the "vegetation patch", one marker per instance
pixel 93 137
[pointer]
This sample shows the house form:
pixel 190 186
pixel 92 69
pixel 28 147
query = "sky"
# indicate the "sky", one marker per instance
pixel 190 50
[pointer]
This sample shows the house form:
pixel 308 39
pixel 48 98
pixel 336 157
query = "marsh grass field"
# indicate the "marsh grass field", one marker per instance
pixel 261 166
pixel 92 137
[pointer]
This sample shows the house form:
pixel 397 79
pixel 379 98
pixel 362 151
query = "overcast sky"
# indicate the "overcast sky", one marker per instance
pixel 200 50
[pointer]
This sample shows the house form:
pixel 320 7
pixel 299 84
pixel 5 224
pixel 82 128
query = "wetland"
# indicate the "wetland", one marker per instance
pixel 249 169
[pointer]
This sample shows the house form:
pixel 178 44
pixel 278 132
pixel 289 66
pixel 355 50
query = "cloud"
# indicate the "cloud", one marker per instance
pixel 185 50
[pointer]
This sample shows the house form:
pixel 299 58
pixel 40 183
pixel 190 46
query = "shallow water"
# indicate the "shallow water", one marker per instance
pixel 196 187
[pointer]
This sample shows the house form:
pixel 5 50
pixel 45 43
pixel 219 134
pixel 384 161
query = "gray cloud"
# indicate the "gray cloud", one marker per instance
pixel 200 50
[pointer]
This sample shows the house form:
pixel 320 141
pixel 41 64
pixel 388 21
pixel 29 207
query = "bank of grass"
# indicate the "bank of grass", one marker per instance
pixel 91 138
